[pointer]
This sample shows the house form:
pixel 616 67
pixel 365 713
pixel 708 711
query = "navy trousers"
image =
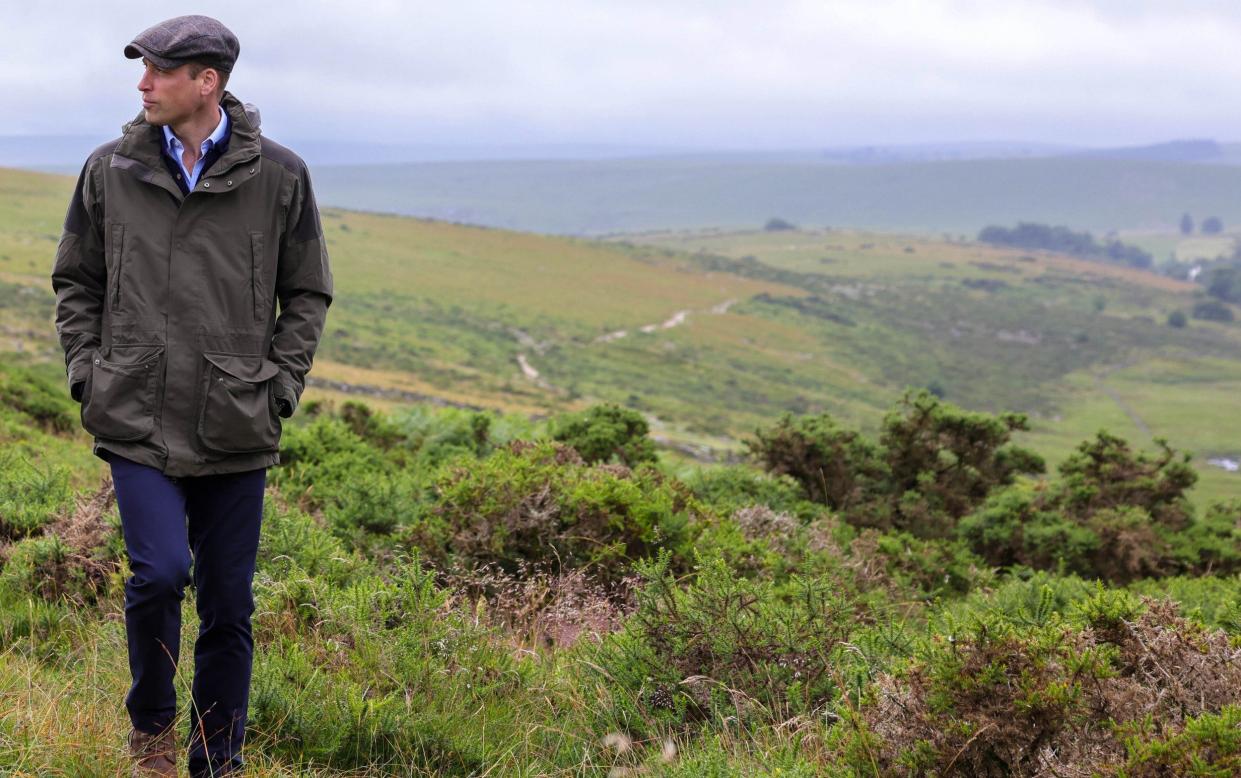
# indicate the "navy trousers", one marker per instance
pixel 211 522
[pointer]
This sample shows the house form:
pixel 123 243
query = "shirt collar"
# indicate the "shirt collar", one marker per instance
pixel 172 142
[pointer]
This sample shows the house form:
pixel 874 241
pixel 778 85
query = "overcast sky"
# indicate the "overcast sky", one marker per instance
pixel 679 73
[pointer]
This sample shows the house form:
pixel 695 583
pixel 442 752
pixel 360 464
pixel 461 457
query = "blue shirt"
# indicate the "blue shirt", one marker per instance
pixel 175 149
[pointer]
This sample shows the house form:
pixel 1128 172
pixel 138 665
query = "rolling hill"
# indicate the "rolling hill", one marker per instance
pixel 713 333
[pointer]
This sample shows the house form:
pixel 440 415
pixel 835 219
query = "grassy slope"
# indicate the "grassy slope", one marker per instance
pixel 592 197
pixel 1036 343
pixel 834 321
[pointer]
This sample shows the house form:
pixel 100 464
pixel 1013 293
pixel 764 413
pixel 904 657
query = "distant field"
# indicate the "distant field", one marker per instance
pixel 626 195
pixel 714 333
pixel 1080 345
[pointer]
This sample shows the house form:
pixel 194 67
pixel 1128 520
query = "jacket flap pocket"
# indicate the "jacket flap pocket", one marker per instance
pixel 250 368
pixel 130 355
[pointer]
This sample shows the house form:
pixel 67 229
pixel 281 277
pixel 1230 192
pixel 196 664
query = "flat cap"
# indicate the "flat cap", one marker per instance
pixel 182 39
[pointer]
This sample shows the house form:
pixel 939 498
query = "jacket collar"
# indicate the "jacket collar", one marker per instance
pixel 141 143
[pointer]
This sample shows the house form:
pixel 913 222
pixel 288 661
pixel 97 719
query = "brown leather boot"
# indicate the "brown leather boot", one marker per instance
pixel 154 754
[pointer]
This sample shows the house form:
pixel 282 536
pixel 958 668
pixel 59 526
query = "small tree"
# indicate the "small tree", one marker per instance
pixel 1177 320
pixel 836 466
pixel 934 463
pixel 1212 226
pixel 1187 224
pixel 776 224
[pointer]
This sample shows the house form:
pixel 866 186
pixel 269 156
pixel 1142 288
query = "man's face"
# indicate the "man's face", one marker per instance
pixel 171 96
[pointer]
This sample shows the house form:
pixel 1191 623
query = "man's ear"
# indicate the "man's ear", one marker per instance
pixel 210 79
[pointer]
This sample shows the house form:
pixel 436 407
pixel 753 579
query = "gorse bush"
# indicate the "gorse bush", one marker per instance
pixel 75 559
pixel 933 463
pixel 1062 696
pixel 834 466
pixel 370 473
pixel 1104 473
pixel 32 494
pixel 540 503
pixel 1114 514
pixel 723 649
pixel 442 592
pixel 1209 746
pixel 292 541
pixel 606 433
pixel 728 488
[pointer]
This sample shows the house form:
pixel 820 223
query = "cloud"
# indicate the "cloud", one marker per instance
pixel 709 73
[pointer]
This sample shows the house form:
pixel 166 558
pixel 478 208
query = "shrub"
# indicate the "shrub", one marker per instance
pixel 944 461
pixel 361 489
pixel 77 558
pixel 1105 473
pixel 539 503
pixel 835 466
pixel 999 698
pixel 1177 320
pixel 729 488
pixel 1211 544
pixel 293 540
pixel 606 433
pixel 1115 514
pixel 908 567
pixel 933 464
pixel 722 649
pixel 1209 746
pixel 31 495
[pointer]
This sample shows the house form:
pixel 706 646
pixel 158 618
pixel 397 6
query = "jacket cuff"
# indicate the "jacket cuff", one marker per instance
pixel 286 398
pixel 78 371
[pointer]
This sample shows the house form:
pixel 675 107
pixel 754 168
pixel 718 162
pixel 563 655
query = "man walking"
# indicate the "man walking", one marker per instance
pixel 192 284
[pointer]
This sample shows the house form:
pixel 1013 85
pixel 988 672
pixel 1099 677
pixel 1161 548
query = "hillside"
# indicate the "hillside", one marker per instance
pixel 711 334
pixel 908 589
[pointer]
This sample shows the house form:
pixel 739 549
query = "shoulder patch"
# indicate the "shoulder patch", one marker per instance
pixel 281 155
pixel 77 219
pixel 304 224
pixel 103 150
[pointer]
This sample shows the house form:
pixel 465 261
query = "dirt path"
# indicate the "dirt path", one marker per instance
pixel 675 320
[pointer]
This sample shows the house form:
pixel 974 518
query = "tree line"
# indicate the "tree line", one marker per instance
pixel 1045 237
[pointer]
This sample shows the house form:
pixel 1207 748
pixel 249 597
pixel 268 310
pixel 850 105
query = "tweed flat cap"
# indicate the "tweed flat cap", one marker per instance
pixel 182 39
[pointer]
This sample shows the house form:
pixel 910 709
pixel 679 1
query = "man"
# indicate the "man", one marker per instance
pixel 181 239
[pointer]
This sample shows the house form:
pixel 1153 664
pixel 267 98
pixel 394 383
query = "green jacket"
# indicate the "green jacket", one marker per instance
pixel 166 304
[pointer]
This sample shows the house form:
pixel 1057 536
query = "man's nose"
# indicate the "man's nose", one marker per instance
pixel 144 83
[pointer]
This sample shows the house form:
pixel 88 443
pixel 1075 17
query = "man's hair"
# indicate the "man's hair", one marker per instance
pixel 198 67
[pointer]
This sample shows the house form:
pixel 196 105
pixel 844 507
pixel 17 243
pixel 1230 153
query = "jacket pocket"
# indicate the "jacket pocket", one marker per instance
pixel 118 400
pixel 257 288
pixel 235 415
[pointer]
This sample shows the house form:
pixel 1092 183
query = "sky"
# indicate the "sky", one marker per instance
pixel 693 74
